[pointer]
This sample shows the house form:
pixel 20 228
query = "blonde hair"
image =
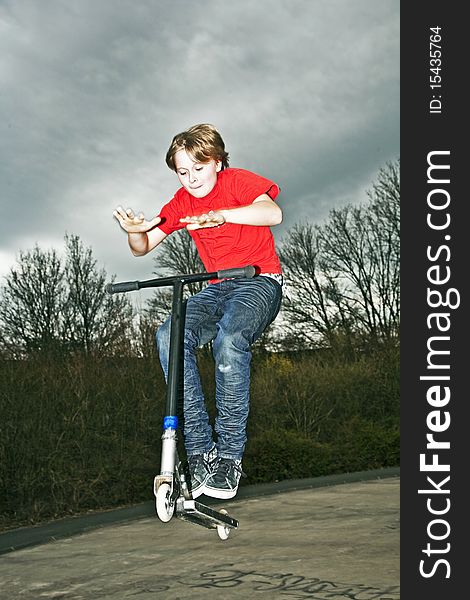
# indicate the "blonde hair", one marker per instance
pixel 203 142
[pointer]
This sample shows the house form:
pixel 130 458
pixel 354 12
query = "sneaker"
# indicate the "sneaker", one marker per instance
pixel 223 483
pixel 200 468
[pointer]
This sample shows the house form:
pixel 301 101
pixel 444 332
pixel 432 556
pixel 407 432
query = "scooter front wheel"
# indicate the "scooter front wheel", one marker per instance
pixel 164 505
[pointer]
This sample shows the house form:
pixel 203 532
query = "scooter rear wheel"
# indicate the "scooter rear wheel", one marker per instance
pixel 222 531
pixel 165 507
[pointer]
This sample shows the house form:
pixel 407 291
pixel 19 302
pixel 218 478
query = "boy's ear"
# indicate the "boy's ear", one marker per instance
pixel 218 165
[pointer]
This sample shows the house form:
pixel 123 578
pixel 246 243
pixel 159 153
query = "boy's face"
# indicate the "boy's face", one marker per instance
pixel 198 179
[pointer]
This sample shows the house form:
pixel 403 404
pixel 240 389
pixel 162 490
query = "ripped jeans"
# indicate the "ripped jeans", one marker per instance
pixel 233 314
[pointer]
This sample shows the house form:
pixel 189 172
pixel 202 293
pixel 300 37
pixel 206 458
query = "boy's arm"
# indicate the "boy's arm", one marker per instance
pixel 142 243
pixel 263 211
pixel 142 235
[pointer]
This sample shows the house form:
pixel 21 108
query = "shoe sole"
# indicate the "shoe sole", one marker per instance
pixel 221 494
pixel 197 493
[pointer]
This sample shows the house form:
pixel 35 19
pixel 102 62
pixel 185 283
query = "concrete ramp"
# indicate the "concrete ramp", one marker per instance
pixel 335 542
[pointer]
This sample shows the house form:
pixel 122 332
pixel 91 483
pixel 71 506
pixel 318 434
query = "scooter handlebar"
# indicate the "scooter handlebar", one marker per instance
pixel 248 271
pixel 129 286
pixel 125 286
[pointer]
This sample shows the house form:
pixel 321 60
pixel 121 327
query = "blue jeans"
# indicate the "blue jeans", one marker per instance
pixel 233 313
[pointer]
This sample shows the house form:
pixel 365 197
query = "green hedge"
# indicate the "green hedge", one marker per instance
pixel 80 434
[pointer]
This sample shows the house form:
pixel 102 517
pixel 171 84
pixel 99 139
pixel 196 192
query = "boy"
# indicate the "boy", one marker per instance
pixel 228 213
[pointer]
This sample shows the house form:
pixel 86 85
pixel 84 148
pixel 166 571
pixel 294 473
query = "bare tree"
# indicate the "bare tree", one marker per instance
pixel 384 224
pixel 49 306
pixel 177 254
pixel 343 276
pixel 32 302
pixel 362 245
pixel 311 305
pixel 95 321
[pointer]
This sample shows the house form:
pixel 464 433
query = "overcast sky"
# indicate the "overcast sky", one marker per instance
pixel 305 92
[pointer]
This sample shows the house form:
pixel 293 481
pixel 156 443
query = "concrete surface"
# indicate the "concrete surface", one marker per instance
pixel 335 542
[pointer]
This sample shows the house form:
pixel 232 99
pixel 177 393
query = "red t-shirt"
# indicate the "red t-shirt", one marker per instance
pixel 230 245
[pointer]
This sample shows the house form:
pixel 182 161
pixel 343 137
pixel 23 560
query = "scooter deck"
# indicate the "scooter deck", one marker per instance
pixel 195 512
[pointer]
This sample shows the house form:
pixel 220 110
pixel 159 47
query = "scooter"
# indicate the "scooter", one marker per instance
pixel 172 493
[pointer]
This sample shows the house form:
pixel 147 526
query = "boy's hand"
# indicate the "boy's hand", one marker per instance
pixel 210 219
pixel 134 223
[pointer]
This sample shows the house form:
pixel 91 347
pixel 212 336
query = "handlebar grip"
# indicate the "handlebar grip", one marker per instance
pixel 247 271
pixel 124 286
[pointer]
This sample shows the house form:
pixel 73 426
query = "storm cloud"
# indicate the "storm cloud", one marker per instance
pixel 305 92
